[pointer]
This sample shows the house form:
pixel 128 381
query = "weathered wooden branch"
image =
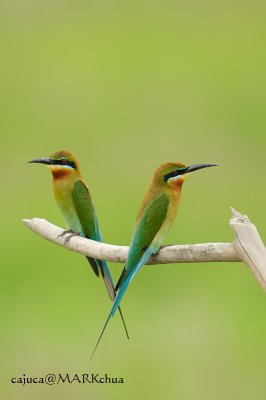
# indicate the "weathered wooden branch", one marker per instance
pixel 168 254
pixel 247 247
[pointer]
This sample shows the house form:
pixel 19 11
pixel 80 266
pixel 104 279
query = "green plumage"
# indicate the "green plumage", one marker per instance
pixel 153 216
pixel 74 200
pixel 85 210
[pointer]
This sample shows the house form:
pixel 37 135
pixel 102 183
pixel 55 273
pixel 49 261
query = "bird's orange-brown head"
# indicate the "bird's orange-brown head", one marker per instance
pixel 61 163
pixel 173 174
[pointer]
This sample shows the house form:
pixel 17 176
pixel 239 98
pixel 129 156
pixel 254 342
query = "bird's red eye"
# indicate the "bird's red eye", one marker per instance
pixel 64 162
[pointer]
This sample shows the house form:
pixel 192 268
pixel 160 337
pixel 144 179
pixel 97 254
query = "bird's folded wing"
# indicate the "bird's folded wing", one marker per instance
pixel 149 224
pixel 88 220
pixel 85 210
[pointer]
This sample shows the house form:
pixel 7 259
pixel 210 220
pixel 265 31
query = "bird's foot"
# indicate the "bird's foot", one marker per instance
pixel 64 233
pixel 67 239
pixel 161 247
pixel 165 245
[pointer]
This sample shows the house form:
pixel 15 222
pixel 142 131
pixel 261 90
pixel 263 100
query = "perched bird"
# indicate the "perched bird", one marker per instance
pixel 74 200
pixel 155 217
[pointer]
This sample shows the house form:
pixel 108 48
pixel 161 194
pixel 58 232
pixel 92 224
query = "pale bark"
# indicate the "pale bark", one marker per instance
pixel 247 246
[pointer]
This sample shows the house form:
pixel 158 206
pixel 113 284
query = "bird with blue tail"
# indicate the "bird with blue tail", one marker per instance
pixel 156 215
pixel 74 200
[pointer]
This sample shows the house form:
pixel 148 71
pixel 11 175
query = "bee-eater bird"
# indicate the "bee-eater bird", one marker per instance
pixel 74 200
pixel 155 217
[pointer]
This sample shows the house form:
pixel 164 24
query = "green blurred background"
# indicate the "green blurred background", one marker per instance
pixel 127 86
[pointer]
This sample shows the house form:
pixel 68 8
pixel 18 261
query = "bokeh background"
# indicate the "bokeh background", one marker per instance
pixel 127 86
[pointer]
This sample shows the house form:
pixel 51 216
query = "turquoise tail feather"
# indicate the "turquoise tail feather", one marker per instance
pixel 105 272
pixel 122 291
pixel 129 278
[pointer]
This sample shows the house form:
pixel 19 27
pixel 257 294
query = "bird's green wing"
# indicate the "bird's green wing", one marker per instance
pixel 86 213
pixel 85 210
pixel 150 223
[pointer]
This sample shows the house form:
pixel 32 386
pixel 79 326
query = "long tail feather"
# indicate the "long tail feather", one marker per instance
pixel 110 288
pixel 122 318
pixel 105 325
pixel 122 291
pixel 112 294
pixel 93 265
pixel 101 334
pixel 112 312
pixel 107 279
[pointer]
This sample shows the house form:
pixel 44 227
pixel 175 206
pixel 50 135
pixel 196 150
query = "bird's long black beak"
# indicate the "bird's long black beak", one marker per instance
pixel 195 167
pixel 42 161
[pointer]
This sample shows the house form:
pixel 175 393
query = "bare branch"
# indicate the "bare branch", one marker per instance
pixel 249 246
pixel 189 253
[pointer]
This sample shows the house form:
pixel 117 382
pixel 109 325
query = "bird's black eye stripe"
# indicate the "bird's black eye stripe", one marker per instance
pixel 176 172
pixel 64 161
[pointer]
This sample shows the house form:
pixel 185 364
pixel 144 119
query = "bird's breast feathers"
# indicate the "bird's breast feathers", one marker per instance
pixel 63 195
